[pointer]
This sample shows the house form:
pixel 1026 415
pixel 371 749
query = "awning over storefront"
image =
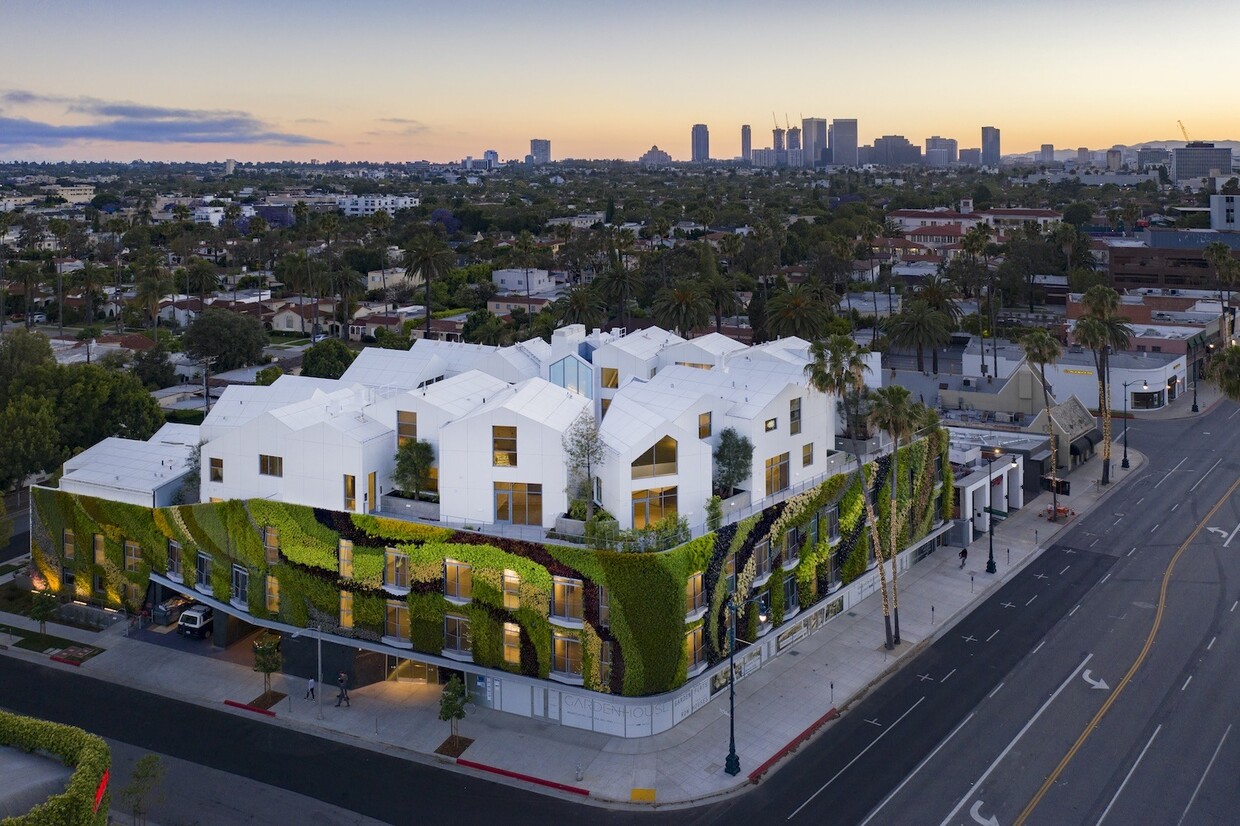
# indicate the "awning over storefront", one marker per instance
pixel 1085 443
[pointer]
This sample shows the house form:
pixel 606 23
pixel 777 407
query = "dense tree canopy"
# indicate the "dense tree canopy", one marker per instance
pixel 327 360
pixel 233 340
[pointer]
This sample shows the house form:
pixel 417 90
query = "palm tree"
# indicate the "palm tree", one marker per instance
pixel 431 258
pixel 347 283
pixel 1041 349
pixel 619 284
pixel 920 326
pixel 1103 331
pixel 581 305
pixel 838 368
pixel 152 284
pixel 940 293
pixel 720 291
pixel 1227 271
pixel 681 308
pixel 798 311
pixel 892 412
pixel 523 255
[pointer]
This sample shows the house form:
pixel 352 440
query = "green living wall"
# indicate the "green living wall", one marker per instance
pixel 633 603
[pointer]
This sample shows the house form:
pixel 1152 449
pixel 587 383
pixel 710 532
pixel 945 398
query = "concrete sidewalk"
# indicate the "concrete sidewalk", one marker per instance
pixel 776 707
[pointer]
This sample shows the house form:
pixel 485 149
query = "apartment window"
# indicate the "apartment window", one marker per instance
pixel 807 454
pixel 458 580
pixel 396 569
pixel 272 594
pixel 695 648
pixel 604 607
pixel 606 657
pixel 456 634
pixel 566 655
pixel 270 465
pixel 610 377
pixel 133 556
pixel 396 623
pixel 406 427
pixel 695 593
pixel 67 543
pixel 572 374
pixel 771 424
pixel 240 583
pixel 350 492
pixel 729 572
pixel 217 470
pixel 174 556
pixel 566 598
pixel 67 578
pixel 792 599
pixel 345 551
pixel 650 506
pixel 762 558
pixel 503 446
pixel 99 584
pixel 829 522
pixel 101 555
pixel 776 474
pixel 704 429
pixel 794 416
pixel 512 590
pixel 792 545
pixel 346 609
pixel 518 503
pixel 603 404
pixel 659 460
pixel 203 570
pixel 512 643
pixel 271 544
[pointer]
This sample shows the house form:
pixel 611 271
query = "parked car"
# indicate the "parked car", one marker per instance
pixel 196 621
pixel 317 337
pixel 170 610
pixel 39 318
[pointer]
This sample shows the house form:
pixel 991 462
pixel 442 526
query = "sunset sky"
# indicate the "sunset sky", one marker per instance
pixel 377 80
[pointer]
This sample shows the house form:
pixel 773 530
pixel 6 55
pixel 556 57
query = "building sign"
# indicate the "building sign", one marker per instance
pixel 1080 372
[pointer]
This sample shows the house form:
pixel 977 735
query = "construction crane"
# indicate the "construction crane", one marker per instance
pixel 1184 132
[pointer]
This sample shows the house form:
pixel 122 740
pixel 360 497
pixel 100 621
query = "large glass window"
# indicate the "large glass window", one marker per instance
pixel 344 550
pixel 271 544
pixel 729 572
pixel 273 594
pixel 512 643
pixel 270 465
pixel 794 416
pixel 512 590
pixel 704 425
pixel 792 600
pixel 503 446
pixel 406 427
pixel 518 503
pixel 659 460
pixel 604 607
pixel 695 593
pixel 572 374
pixel 456 635
pixel 217 470
pixel 695 648
pixel 202 571
pixel 566 598
pixel 396 624
pixel 610 378
pixel 649 506
pixel 606 657
pixel 133 556
pixel 174 556
pixel 762 558
pixel 458 580
pixel 350 492
pixel 396 569
pixel 829 523
pixel 566 655
pixel 240 583
pixel 777 474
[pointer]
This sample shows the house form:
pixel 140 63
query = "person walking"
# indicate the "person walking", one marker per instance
pixel 310 689
pixel 964 556
pixel 343 696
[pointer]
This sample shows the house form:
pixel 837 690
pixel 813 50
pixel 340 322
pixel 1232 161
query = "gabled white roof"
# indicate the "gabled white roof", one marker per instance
pixel 176 434
pixel 539 400
pixel 341 410
pixel 630 424
pixel 457 355
pixel 128 465
pixel 241 403
pixel 458 395
pixel 716 344
pixel 379 368
pixel 792 350
pixel 645 344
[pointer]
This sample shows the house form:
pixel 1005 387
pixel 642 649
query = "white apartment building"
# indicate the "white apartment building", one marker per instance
pixel 522 281
pixel 366 205
pixel 391 278
pixel 73 194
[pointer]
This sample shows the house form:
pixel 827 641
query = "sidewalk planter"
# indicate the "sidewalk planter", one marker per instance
pixel 570 527
pixel 89 756
pixel 522 618
pixel 411 508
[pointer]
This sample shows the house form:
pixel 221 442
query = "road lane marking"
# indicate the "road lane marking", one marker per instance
pixel 1073 611
pixel 1160 481
pixel 1034 651
pixel 949 673
pixel 1066 567
pixel 1155 528
pixel 1211 645
pixel 1091 544
pixel 1105 578
pixel 1173 507
pixel 1217 462
pixel 1209 765
pixel 1008 604
pixel 1053 777
pixel 1186 682
pixel 992 636
pixel 996 691
pixel 929 756
pixel 1028 725
pixel 1233 536
pixel 1128 776
pixel 1031 599
pixel 860 754
pixel 1233 606
pixel 1130 553
pixel 924 677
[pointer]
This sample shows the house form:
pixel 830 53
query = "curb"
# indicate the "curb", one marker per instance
pixel 551 784
pixel 247 707
pixel 757 773
pixel 56 658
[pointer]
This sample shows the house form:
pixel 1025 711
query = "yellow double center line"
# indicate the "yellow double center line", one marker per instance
pixel 1137 663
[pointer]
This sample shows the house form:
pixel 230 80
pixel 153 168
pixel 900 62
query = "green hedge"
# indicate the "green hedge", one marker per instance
pixel 89 756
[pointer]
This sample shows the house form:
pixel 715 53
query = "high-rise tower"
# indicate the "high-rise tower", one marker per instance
pixel 844 142
pixel 813 139
pixel 700 138
pixel 746 142
pixel 990 147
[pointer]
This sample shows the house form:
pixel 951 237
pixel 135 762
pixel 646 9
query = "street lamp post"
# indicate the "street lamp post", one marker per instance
pixel 732 765
pixel 1145 385
pixel 990 517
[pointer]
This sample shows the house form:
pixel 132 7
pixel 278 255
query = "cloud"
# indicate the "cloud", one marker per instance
pixel 309 120
pixel 126 122
pixel 409 126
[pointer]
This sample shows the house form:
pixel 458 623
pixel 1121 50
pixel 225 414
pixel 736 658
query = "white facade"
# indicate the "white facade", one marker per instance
pixel 1223 213
pixel 366 205
pixel 515 281
pixel 148 474
pixel 391 277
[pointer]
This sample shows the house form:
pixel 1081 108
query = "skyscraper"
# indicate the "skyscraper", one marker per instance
pixel 540 151
pixel 990 147
pixel 1047 154
pixel 700 140
pixel 746 142
pixel 794 138
pixel 813 139
pixel 844 142
pixel 940 151
pixel 1199 159
pixel 777 139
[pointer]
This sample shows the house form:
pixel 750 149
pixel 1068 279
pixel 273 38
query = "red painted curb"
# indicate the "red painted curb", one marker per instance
pixel 56 658
pixel 796 741
pixel 469 764
pixel 246 707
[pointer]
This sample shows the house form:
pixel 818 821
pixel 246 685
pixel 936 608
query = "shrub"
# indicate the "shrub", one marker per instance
pixel 88 754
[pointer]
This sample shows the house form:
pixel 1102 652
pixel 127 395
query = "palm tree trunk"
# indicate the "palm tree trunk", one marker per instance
pixel 1050 428
pixel 893 532
pixel 877 545
pixel 1104 407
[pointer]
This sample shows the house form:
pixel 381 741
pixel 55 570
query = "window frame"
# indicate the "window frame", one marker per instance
pixel 609 378
pixel 695 647
pixel 778 475
pixel 566 650
pixel 406 431
pixel 567 599
pixel 705 425
pixel 271 594
pixel 504 451
pixel 215 467
pixel 242 573
pixel 511 588
pixel 133 556
pixel 395 569
pixel 350 492
pixel 512 643
pixel 807 454
pixel 269 465
pixel 658 464
pixel 695 592
pixel 794 416
pixel 100 548
pixel 400 609
pixel 67 539
pixel 456 628
pixel 771 425
pixel 458 581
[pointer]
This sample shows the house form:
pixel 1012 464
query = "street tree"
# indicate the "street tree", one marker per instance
pixel 148 773
pixel 31 438
pixel 153 368
pixel 327 360
pixel 452 703
pixel 414 460
pixel 585 453
pixel 430 258
pixel 1103 331
pixel 231 339
pixel 43 607
pixel 1041 349
pixel 267 659
pixel 1225 370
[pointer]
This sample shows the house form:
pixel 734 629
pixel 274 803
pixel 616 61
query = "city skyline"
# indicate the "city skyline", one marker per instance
pixel 268 90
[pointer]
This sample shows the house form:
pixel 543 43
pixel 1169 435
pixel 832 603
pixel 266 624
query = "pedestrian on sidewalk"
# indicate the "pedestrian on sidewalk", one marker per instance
pixel 310 689
pixel 343 696
pixel 964 556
